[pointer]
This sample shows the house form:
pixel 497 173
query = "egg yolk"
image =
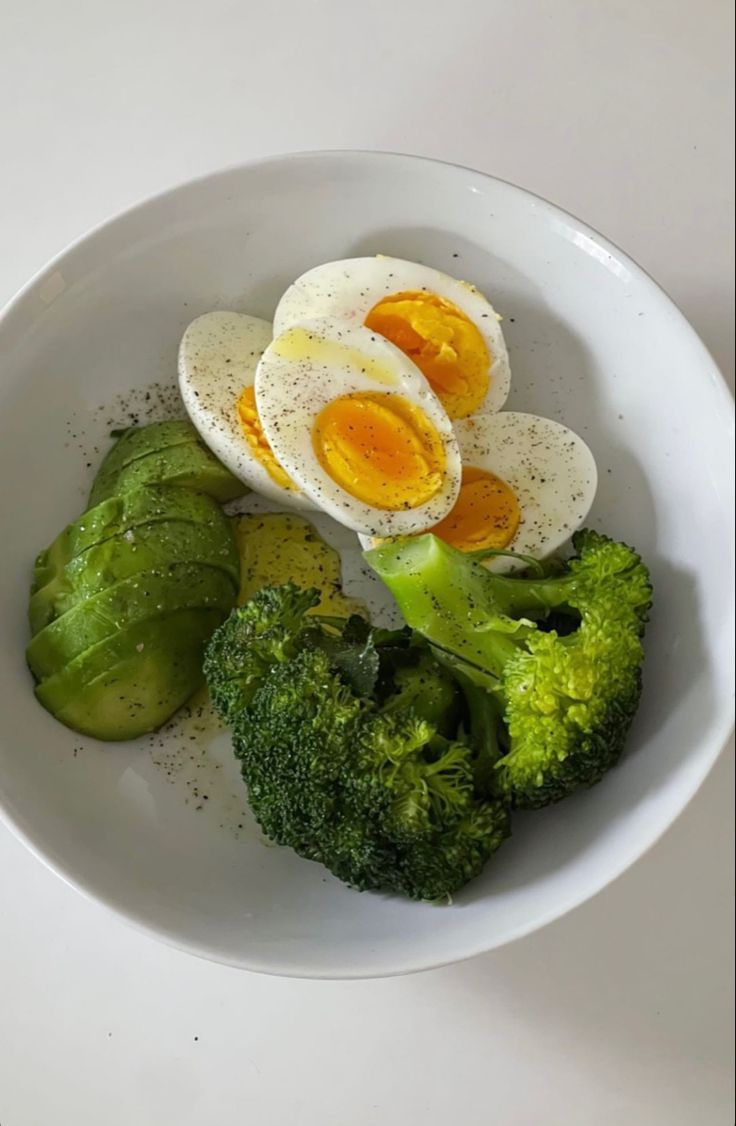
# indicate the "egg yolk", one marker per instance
pixel 486 513
pixel 257 441
pixel 442 341
pixel 380 448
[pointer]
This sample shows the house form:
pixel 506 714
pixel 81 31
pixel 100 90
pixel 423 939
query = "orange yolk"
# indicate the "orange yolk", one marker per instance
pixel 257 441
pixel 442 341
pixel 381 449
pixel 486 513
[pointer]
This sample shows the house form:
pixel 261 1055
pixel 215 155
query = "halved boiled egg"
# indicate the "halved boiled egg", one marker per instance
pixel 445 326
pixel 218 356
pixel 356 425
pixel 527 484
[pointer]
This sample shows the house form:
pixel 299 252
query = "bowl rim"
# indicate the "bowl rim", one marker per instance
pixel 709 751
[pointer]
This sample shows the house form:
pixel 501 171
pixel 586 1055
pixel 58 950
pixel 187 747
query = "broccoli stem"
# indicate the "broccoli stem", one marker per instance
pixel 484 718
pixel 519 597
pixel 454 609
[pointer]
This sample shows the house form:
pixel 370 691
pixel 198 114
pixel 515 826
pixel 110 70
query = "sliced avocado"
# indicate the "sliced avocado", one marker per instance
pixel 281 547
pixel 139 441
pixel 117 515
pixel 151 547
pixel 133 681
pixel 145 596
pixel 187 465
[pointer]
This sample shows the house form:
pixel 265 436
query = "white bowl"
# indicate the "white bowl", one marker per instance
pixel 592 341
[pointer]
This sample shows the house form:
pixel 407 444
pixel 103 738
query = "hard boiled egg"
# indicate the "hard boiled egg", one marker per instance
pixel 447 327
pixel 527 484
pixel 218 356
pixel 356 425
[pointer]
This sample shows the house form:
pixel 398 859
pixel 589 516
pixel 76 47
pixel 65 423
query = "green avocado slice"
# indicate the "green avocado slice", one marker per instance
pixel 139 441
pixel 151 547
pixel 119 514
pixel 140 597
pixel 135 680
pixel 188 465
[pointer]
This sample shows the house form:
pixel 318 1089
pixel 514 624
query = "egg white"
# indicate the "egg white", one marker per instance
pixel 218 356
pixel 293 387
pixel 349 289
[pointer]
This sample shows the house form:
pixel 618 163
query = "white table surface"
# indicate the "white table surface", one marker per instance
pixel 619 111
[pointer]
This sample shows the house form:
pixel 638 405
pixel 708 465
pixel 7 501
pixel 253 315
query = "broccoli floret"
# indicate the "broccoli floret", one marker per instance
pixel 428 690
pixel 275 625
pixel 565 700
pixel 377 796
pixel 270 628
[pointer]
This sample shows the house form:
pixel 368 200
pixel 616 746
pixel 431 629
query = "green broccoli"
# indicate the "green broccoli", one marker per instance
pixel 377 797
pixel 347 739
pixel 272 627
pixel 269 628
pixel 565 698
pixel 428 690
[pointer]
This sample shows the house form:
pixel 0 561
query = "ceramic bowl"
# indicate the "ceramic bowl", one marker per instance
pixel 592 340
